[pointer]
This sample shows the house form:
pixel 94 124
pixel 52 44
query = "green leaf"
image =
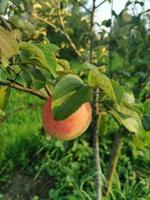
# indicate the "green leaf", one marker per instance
pixel 138 142
pixel 146 137
pixel 119 91
pixel 20 23
pixel 36 52
pixel 43 56
pixel 97 79
pixel 2 146
pixel 146 122
pixel 77 66
pixel 116 115
pixel 103 124
pixel 38 78
pixel 66 85
pixel 130 119
pixel 71 104
pixel 5 62
pixel 128 98
pixel 107 23
pixel 140 3
pixel 8 44
pixel 128 4
pixel 27 77
pixel 132 122
pixel 49 50
pixel 92 78
pixel 4 95
pixel 64 63
pixel 3 6
pixel 34 77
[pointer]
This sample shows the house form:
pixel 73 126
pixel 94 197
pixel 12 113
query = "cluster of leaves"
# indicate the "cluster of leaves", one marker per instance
pixel 36 65
pixel 34 61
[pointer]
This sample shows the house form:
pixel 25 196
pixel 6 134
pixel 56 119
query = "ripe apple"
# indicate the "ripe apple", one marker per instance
pixel 69 128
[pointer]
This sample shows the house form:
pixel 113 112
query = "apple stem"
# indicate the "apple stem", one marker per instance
pixel 47 91
pixel 98 173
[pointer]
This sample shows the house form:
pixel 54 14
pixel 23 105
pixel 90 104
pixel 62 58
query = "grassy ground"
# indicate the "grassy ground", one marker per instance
pixel 35 167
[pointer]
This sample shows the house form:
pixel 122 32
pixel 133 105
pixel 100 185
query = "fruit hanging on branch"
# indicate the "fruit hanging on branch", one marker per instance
pixel 69 128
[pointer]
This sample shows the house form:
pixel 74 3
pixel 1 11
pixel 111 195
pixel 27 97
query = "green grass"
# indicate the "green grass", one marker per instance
pixel 63 170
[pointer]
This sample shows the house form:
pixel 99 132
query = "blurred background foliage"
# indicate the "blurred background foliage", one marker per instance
pixel 34 167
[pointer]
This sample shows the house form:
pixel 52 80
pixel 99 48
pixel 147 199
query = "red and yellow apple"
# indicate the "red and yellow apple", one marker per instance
pixel 69 128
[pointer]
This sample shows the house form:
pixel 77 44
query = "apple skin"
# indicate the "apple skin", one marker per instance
pixel 69 128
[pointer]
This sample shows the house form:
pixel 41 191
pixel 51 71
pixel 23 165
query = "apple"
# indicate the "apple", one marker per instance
pixel 69 128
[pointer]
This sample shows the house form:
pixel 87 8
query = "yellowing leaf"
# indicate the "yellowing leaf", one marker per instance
pixel 4 93
pixel 64 63
pixel 128 97
pixel 8 44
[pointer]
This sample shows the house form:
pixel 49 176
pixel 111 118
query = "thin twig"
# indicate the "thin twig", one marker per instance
pixel 145 11
pixel 83 6
pixel 61 19
pixel 57 29
pixel 5 23
pixel 110 38
pixel 91 27
pixel 47 90
pixel 24 89
pixel 100 3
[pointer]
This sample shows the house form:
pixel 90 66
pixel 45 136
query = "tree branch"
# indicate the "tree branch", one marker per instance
pixel 100 3
pixel 110 47
pixel 91 28
pixel 98 179
pixel 24 89
pixel 145 11
pixel 57 29
pixel 83 6
pixel 47 90
pixel 95 132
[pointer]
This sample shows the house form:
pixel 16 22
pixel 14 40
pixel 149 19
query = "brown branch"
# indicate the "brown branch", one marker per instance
pixel 145 11
pixel 47 90
pixel 83 6
pixel 91 28
pixel 98 179
pixel 5 23
pixel 110 38
pixel 24 89
pixel 57 29
pixel 95 129
pixel 61 19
